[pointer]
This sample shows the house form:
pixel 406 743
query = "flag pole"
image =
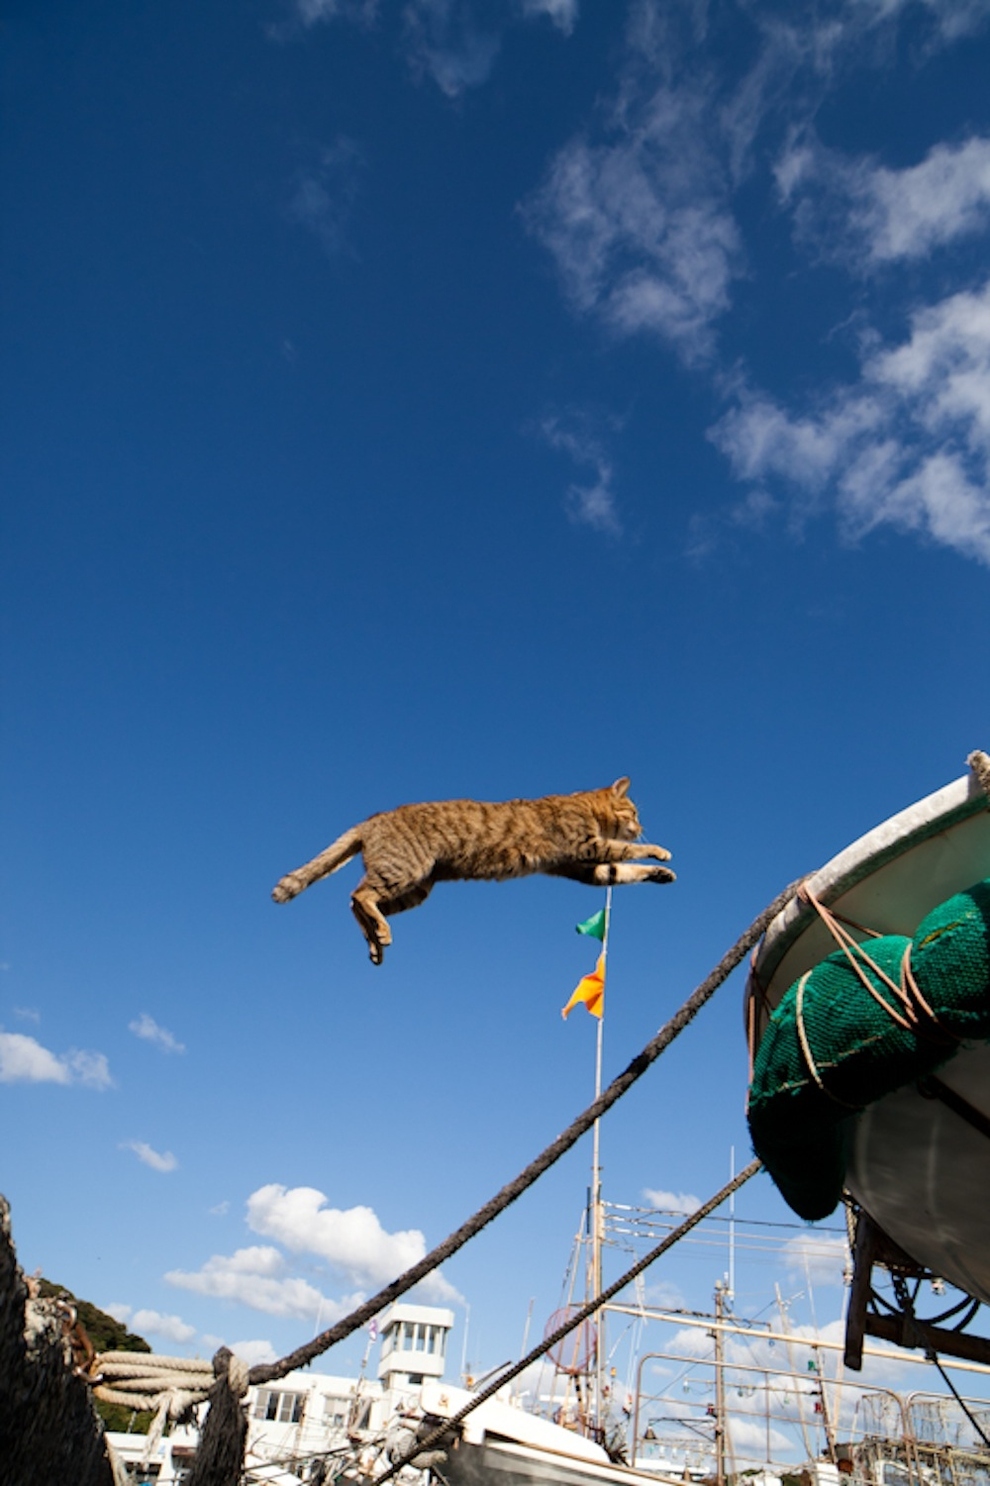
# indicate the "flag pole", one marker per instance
pixel 597 1214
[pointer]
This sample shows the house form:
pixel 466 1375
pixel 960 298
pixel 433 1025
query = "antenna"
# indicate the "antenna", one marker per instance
pixel 732 1227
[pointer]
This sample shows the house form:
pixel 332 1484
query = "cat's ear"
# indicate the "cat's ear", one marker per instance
pixel 621 786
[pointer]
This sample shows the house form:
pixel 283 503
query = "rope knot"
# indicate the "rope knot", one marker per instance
pixel 232 1370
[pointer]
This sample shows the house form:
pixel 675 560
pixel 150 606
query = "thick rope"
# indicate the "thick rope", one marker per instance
pixel 266 1372
pixel 578 1319
pixel 915 1015
pixel 802 1033
pixel 141 1380
pixel 979 763
pixel 165 1386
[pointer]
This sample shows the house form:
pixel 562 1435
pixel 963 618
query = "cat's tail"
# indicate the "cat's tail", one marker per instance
pixel 337 853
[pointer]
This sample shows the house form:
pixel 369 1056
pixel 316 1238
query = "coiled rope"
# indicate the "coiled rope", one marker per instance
pixel 167 1386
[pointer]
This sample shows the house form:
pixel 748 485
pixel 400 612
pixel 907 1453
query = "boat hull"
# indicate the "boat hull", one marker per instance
pixel 504 1463
pixel 917 1167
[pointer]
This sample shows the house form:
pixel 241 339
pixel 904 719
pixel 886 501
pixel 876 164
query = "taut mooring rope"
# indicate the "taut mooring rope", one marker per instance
pixel 265 1372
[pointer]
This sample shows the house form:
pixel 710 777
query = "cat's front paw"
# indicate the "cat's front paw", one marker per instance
pixel 660 853
pixel 661 874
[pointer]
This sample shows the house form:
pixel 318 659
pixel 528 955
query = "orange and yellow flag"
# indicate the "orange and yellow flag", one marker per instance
pixel 590 991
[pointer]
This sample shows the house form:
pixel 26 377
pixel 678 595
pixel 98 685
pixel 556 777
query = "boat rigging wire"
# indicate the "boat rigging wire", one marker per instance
pixel 578 1319
pixel 932 1356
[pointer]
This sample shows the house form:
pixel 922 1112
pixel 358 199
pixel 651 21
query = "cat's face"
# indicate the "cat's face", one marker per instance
pixel 625 814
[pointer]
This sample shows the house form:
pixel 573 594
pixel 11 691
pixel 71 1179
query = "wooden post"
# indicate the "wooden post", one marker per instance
pixel 859 1295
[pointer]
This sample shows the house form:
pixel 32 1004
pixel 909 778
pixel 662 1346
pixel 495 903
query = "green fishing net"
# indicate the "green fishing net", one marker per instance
pixel 802 1128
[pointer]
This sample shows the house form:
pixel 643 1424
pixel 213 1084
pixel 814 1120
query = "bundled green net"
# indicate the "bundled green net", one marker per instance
pixel 802 1126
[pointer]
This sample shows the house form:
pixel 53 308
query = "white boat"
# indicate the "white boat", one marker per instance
pixel 503 1445
pixel 919 1167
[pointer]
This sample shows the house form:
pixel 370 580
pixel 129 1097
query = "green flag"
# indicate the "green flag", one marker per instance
pixel 595 925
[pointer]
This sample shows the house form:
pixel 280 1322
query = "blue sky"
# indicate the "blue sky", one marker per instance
pixel 460 397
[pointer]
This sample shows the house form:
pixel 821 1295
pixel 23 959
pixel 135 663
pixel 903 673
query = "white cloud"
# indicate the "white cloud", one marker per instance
pixel 818 1258
pixel 90 1069
pixel 172 1327
pixel 251 1352
pixel 26 1013
pixel 119 1311
pixel 563 13
pixel 147 1028
pixel 672 1202
pixel 158 1161
pixel 24 1060
pixel 353 1241
pixel 866 214
pixel 446 42
pixel 908 446
pixel 256 1277
pixel 324 194
pixel 664 1294
pixel 589 503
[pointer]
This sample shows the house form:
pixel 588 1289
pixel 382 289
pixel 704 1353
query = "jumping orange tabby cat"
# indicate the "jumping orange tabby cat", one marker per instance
pixel 591 836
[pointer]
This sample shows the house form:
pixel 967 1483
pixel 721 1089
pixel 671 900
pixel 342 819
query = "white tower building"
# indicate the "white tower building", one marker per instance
pixel 414 1344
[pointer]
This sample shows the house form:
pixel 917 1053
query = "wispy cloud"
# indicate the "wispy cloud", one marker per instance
pixel 147 1028
pixel 590 502
pixel 639 223
pixel 303 15
pixel 324 193
pixel 24 1060
pixel 311 12
pixel 865 214
pixel 908 446
pixel 952 18
pixel 447 42
pixel 158 1161
pixel 27 1014
pixel 563 13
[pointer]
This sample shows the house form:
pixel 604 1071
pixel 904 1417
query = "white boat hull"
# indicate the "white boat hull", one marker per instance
pixel 918 1168
pixel 498 1462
